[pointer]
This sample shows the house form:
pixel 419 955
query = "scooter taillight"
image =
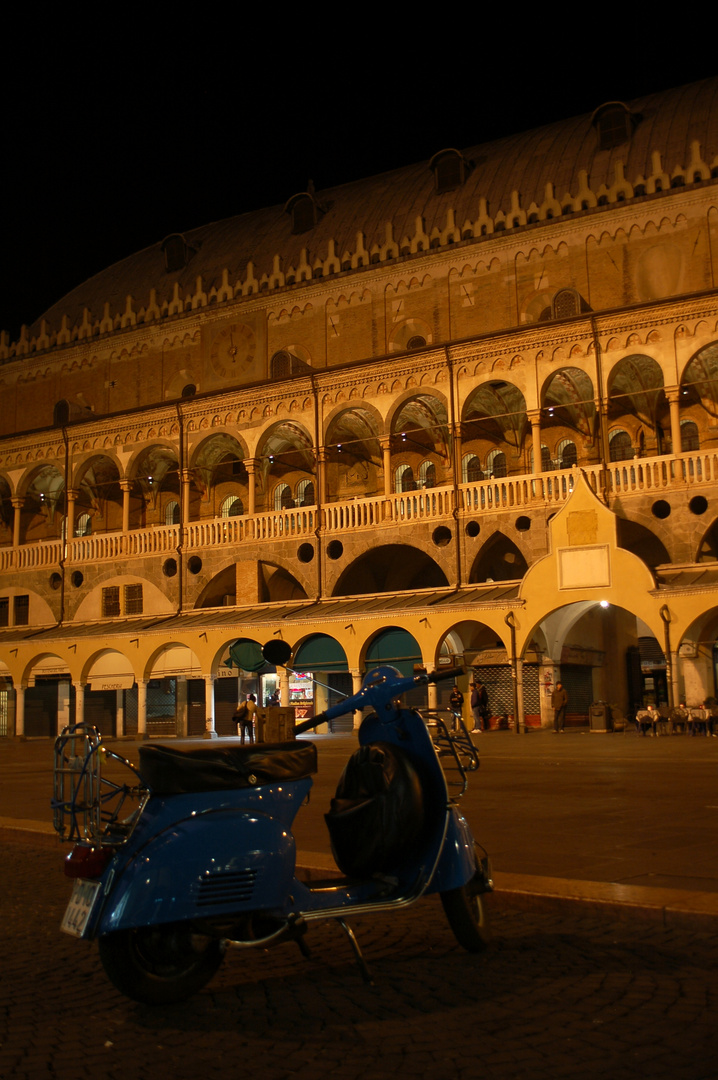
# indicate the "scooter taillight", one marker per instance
pixel 87 862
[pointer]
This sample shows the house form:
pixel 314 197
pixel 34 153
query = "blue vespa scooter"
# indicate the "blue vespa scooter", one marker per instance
pixel 196 854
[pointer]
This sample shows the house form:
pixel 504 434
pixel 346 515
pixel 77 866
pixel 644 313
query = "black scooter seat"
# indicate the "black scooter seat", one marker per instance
pixel 183 767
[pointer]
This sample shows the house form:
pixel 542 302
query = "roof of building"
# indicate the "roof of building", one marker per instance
pixel 672 131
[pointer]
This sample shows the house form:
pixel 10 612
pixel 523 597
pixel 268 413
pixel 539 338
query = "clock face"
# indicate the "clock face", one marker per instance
pixel 233 350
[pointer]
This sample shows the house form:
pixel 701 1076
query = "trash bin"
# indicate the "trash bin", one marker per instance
pixel 598 717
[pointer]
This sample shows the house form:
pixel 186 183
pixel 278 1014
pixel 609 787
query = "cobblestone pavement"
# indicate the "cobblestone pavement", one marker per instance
pixel 555 996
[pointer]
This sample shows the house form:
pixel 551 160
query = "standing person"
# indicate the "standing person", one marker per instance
pixel 247 721
pixel 456 704
pixel 559 701
pixel 480 706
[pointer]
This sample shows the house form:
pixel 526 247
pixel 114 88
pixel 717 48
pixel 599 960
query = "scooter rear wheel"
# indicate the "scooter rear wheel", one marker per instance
pixel 468 917
pixel 158 965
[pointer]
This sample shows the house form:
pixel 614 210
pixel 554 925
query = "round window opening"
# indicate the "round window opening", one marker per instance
pixel 523 523
pixel 473 528
pixel 441 536
pixel 77 578
pixel 305 553
pixel 55 581
pixel 661 509
pixel 194 565
pixel 169 567
pixel 335 549
pixel 698 504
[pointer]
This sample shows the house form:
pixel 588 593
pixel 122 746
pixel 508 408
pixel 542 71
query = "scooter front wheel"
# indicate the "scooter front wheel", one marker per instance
pixel 468 918
pixel 158 965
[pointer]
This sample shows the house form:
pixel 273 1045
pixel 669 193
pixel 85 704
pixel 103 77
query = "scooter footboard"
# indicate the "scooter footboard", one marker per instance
pixel 224 863
pixel 457 863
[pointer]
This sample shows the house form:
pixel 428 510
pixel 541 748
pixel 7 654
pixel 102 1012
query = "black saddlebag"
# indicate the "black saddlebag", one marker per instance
pixel 377 812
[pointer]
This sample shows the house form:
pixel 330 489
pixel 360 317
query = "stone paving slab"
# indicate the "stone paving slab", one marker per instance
pixel 556 996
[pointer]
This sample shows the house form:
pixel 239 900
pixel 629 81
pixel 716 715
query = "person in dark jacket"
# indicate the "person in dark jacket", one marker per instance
pixel 559 701
pixel 480 706
pixel 456 704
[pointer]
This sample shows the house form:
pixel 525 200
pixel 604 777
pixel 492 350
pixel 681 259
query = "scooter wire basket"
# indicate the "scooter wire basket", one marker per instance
pixel 88 807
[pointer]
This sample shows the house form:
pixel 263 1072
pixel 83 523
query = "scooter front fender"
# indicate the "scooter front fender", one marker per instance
pixel 217 864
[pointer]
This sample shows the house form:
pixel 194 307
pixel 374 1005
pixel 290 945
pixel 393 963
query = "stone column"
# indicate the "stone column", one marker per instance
pixel 181 710
pixel 283 686
pixel 142 708
pixel 72 496
pixel 521 718
pixel 535 419
pixel 385 443
pixel 17 502
pixel 250 465
pixel 79 702
pixel 458 454
pixel 119 712
pixel 20 709
pixel 209 705
pixel 322 474
pixel 186 480
pixel 63 705
pixel 126 487
pixel 356 687
pixel 674 397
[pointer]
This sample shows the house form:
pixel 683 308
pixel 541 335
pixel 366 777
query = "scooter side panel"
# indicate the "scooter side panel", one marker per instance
pixel 457 863
pixel 220 863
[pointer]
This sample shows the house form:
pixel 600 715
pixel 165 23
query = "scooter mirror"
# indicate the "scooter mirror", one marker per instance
pixel 276 651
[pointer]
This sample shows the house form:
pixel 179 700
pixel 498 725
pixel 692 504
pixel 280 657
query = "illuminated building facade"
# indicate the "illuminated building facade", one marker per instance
pixel 466 409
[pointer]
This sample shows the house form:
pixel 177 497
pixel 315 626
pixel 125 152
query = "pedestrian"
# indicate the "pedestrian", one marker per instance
pixel 248 722
pixel 480 706
pixel 559 701
pixel 244 718
pixel 456 704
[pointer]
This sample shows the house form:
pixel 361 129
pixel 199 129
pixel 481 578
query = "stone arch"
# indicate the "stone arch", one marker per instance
pixel 390 568
pixel 286 454
pixel 217 471
pixel 498 559
pixel 494 417
pixel 637 402
pixel 353 454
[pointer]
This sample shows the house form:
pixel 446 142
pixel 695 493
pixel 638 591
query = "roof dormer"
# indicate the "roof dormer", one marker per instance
pixel 450 169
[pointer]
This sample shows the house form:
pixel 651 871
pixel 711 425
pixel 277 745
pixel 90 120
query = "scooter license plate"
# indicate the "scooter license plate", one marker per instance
pixel 85 894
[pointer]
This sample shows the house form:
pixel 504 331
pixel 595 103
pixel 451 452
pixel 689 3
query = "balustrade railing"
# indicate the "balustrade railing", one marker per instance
pixel 636 476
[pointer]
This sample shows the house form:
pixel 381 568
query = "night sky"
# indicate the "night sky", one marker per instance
pixel 113 141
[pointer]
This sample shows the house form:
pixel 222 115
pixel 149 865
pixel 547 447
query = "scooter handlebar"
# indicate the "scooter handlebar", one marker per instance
pixel 314 721
pixel 445 673
pixel 375 695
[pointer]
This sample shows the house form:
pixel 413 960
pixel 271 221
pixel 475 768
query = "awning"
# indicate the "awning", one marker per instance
pixel 320 653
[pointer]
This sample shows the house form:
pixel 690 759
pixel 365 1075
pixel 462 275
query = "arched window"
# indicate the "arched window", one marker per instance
pixel 496 464
pixel 404 479
pixel 427 474
pixel 281 365
pixel 566 302
pixel 232 506
pixel 450 169
pixel 305 493
pixel 172 513
pixel 546 463
pixel 620 446
pixel 690 439
pixel 83 525
pixel 471 471
pixel 566 454
pixel 613 123
pixel 283 497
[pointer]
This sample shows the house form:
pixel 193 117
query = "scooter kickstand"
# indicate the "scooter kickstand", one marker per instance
pixel 366 974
